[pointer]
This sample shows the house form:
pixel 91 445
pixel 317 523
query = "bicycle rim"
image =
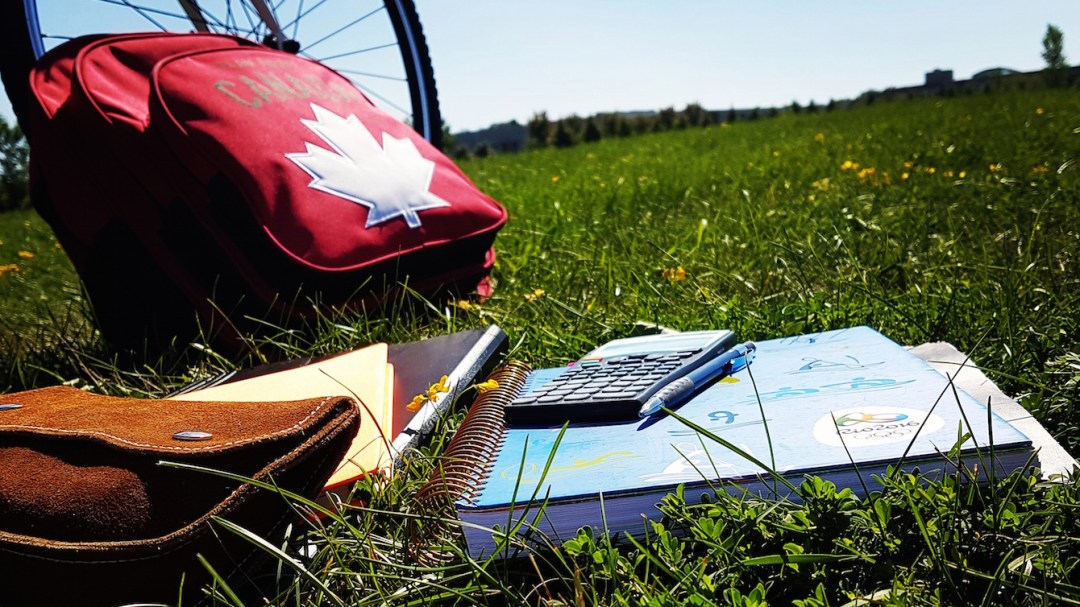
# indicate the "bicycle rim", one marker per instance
pixel 379 45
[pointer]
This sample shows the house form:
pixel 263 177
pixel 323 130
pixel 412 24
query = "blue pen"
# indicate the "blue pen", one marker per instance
pixel 678 391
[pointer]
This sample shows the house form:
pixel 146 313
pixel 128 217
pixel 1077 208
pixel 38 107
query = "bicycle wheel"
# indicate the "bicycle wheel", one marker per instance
pixel 378 44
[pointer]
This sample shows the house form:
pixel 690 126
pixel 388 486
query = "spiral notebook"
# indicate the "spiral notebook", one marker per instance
pixel 812 401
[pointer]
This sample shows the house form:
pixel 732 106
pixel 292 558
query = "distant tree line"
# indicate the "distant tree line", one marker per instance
pixel 14 165
pixel 565 132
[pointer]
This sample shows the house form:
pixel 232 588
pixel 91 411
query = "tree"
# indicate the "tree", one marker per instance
pixel 1053 44
pixel 449 142
pixel 563 137
pixel 696 115
pixel 539 128
pixel 14 168
pixel 592 131
pixel 575 126
pixel 731 115
pixel 665 119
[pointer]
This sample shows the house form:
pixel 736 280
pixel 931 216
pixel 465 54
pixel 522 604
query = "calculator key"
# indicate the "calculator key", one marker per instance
pixel 615 395
pixel 548 398
pixel 577 396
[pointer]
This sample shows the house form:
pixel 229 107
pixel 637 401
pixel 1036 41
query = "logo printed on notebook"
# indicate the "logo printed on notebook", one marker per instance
pixel 868 426
pixel 391 180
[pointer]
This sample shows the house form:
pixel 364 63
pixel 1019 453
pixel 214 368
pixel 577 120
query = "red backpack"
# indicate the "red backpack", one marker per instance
pixel 205 178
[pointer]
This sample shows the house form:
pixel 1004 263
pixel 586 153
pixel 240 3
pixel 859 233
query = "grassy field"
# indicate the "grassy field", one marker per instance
pixel 938 219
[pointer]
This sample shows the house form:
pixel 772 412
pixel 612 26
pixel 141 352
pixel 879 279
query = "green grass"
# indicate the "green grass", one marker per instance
pixel 967 229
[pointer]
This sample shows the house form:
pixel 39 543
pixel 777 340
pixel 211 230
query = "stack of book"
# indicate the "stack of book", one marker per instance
pixel 847 405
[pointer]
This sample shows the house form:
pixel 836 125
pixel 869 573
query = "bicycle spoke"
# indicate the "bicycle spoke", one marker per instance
pixel 372 75
pixel 230 18
pixel 253 21
pixel 53 37
pixel 339 30
pixel 145 12
pixel 356 52
pixel 385 101
pixel 269 19
pixel 296 22
pixel 191 9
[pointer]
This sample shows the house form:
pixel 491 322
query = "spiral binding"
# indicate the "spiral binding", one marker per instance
pixel 468 459
pixel 471 452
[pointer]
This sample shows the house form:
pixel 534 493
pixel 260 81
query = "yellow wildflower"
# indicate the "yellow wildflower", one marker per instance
pixel 948 173
pixel 26 254
pixel 1039 169
pixel 443 385
pixel 776 153
pixel 536 294
pixel 821 184
pixel 417 402
pixel 867 172
pixel 555 178
pixel 904 176
pixel 724 125
pixel 963 174
pixel 847 165
pixel 908 164
pixel 820 138
pixel 1039 111
pixel 438 387
pixel 487 386
pixel 674 275
pixel 8 267
pixel 994 168
pixel 931 170
pixel 464 304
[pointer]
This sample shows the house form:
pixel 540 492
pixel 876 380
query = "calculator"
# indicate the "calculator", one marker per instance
pixel 614 381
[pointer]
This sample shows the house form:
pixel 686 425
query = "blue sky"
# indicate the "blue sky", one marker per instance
pixel 500 60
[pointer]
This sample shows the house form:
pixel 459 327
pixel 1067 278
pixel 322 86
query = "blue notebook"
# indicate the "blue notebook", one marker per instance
pixel 808 405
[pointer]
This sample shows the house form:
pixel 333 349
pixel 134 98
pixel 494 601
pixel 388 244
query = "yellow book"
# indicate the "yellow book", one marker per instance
pixel 363 374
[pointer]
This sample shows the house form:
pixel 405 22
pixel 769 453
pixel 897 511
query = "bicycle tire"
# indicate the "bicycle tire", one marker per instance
pixel 23 43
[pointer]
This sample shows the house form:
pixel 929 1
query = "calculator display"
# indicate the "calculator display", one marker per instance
pixel 612 382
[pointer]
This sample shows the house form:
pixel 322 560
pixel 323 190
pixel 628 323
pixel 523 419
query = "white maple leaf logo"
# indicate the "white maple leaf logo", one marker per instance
pixel 391 180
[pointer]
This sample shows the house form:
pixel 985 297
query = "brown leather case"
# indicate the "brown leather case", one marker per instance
pixel 89 516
